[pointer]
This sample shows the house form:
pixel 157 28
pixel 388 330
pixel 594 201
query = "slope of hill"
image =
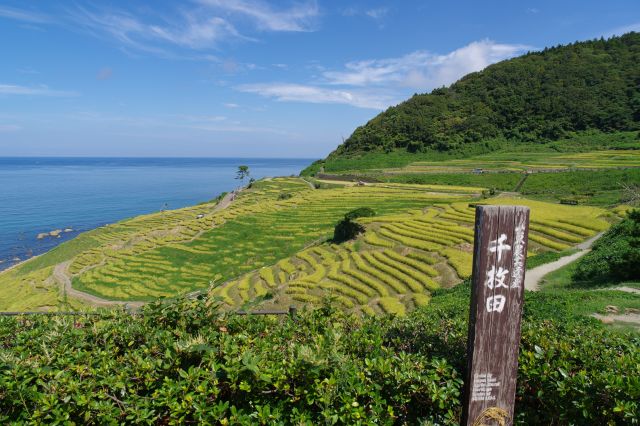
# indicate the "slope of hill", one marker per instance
pixel 541 96
pixel 272 241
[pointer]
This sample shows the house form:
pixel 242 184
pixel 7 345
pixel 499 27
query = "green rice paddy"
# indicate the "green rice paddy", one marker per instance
pixel 266 246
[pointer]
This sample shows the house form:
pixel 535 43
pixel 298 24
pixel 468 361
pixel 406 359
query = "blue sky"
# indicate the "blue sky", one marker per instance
pixel 250 77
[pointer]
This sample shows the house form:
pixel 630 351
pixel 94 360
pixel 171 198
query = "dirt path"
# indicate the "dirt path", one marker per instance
pixel 311 185
pixel 226 200
pixel 627 289
pixel 62 277
pixel 628 318
pixel 535 275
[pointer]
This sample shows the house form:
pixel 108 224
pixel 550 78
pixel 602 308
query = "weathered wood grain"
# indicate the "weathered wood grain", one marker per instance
pixel 495 313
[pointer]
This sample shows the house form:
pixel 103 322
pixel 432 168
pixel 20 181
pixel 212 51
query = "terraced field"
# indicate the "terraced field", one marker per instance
pixel 519 162
pixel 401 258
pixel 174 252
pixel 272 242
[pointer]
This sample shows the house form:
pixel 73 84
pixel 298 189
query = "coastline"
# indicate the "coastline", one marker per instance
pixel 98 191
pixel 24 261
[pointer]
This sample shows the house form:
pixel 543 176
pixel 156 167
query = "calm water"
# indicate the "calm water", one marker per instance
pixel 43 194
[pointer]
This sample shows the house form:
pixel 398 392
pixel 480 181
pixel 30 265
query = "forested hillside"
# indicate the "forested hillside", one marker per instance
pixel 540 96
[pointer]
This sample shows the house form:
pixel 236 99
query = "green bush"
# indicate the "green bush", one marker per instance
pixel 360 212
pixel 185 362
pixel 615 256
pixel 347 229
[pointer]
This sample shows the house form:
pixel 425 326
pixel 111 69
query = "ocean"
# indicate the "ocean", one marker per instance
pixel 40 195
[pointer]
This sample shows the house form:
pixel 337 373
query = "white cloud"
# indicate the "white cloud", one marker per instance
pixel 298 17
pixel 317 94
pixel 231 105
pixel 379 83
pixel 22 15
pixel 12 89
pixel 191 30
pixel 204 25
pixel 424 70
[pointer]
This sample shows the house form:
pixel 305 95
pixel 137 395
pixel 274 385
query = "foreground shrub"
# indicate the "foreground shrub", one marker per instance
pixel 616 255
pixel 186 363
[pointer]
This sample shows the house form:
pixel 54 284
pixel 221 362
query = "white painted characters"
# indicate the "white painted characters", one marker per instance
pixel 497 278
pixel 518 256
pixel 496 303
pixel 499 246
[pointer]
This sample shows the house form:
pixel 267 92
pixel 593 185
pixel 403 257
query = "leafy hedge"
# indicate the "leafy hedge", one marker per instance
pixel 185 362
pixel 615 256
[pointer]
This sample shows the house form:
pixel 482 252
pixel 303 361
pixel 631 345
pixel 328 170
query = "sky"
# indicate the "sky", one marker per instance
pixel 250 78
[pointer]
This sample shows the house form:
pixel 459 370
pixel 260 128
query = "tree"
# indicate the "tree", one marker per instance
pixel 243 172
pixel 347 229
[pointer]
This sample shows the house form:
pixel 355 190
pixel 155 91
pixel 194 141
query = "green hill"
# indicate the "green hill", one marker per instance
pixel 542 96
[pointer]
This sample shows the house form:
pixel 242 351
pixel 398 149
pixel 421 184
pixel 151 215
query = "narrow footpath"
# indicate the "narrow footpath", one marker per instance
pixel 534 276
pixel 62 277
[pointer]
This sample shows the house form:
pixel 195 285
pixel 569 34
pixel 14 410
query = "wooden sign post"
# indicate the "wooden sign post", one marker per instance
pixel 499 260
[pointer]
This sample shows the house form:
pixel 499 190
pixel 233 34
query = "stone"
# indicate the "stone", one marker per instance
pixel 611 309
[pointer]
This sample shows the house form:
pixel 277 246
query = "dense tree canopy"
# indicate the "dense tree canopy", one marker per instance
pixel 540 96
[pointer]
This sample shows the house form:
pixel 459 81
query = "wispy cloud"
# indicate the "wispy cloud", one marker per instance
pixel 188 29
pixel 379 83
pixel 297 17
pixel 12 89
pixel 166 123
pixel 317 94
pixel 422 69
pixel 200 25
pixel 377 13
pixel 28 71
pixel 23 15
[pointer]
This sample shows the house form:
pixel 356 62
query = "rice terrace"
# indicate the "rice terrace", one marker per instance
pixel 419 240
pixel 470 255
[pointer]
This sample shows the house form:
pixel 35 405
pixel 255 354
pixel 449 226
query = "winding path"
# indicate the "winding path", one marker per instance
pixel 534 276
pixel 62 277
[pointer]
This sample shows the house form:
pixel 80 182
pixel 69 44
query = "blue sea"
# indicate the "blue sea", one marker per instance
pixel 39 195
